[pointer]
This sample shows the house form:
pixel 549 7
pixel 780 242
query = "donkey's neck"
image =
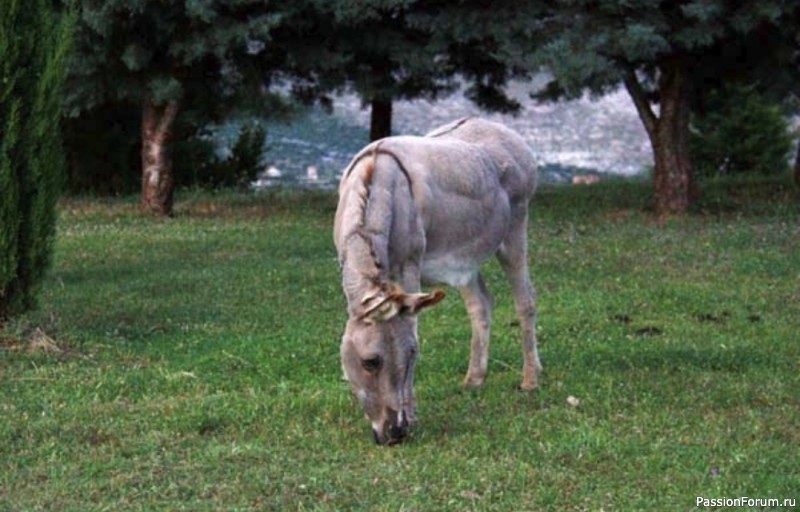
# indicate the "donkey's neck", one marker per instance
pixel 378 226
pixel 364 231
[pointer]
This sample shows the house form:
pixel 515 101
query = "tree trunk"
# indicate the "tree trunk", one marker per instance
pixel 669 136
pixel 797 166
pixel 380 119
pixel 158 182
pixel 673 174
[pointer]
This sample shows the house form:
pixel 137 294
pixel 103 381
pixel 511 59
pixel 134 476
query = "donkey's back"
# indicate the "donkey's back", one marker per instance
pixel 472 182
pixel 510 154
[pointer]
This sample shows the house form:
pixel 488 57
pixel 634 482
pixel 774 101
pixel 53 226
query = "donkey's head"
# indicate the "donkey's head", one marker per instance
pixel 379 350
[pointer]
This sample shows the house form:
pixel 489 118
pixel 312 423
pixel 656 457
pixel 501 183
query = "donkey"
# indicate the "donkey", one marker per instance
pixel 429 209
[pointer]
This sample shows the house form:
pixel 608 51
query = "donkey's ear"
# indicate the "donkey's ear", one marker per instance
pixel 413 303
pixel 380 309
pixel 381 303
pixel 390 301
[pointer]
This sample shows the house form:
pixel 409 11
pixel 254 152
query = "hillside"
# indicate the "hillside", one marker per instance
pixel 585 135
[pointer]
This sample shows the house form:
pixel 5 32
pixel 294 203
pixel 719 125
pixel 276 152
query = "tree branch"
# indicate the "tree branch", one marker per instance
pixel 641 102
pixel 167 118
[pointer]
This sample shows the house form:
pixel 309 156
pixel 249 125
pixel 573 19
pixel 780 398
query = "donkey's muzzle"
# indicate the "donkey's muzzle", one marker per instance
pixel 396 432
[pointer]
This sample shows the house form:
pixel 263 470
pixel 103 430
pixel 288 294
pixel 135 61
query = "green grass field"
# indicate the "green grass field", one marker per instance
pixel 192 364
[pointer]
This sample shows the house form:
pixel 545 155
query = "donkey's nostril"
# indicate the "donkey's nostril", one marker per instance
pixel 398 431
pixel 392 431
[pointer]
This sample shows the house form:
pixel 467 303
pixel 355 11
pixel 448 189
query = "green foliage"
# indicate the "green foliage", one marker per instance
pixel 10 128
pixel 35 45
pixel 245 161
pixel 592 45
pixel 669 55
pixel 398 49
pixel 484 44
pixel 169 51
pixel 742 132
pixel 104 154
pixel 103 150
pixel 370 48
pixel 212 59
pixel 193 365
pixel 198 165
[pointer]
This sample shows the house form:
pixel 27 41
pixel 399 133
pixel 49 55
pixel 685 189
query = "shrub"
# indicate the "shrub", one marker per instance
pixel 741 132
pixel 104 145
pixel 197 164
pixel 103 150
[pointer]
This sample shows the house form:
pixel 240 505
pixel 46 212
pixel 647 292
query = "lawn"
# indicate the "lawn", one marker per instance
pixel 192 364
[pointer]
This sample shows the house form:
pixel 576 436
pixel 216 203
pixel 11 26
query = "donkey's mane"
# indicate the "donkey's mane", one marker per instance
pixel 363 193
pixel 374 151
pixel 366 179
pixel 362 197
pixel 449 128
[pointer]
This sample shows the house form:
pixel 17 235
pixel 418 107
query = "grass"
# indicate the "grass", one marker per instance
pixel 192 364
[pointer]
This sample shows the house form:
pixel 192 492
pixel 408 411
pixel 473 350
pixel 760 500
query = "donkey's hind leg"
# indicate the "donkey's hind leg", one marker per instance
pixel 513 256
pixel 479 307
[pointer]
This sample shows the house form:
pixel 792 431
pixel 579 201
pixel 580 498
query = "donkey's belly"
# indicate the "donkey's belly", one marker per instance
pixel 447 270
pixel 456 266
pixel 461 235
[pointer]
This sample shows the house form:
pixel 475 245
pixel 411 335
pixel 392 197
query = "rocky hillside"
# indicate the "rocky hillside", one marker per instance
pixel 570 137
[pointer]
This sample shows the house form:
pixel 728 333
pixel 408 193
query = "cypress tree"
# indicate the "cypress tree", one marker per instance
pixel 33 51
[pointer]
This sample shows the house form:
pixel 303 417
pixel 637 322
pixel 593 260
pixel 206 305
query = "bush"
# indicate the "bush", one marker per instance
pixel 741 132
pixel 104 145
pixel 33 51
pixel 196 163
pixel 103 150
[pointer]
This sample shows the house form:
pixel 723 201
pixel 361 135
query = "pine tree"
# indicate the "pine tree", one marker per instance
pixel 398 49
pixel 371 48
pixel 741 132
pixel 666 54
pixel 796 167
pixel 33 51
pixel 174 61
pixel 483 43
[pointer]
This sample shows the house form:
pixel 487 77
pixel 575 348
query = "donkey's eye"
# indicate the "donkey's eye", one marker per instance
pixel 372 364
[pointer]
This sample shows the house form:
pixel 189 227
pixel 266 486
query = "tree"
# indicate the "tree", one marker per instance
pixel 797 166
pixel 771 74
pixel 174 60
pixel 33 51
pixel 662 52
pixel 484 44
pixel 370 48
pixel 791 96
pixel 103 150
pixel 400 49
pixel 741 132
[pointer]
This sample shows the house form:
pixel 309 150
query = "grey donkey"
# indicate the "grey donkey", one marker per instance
pixel 429 209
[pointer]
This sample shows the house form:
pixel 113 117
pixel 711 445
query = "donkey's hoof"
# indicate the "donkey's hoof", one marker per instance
pixel 473 382
pixel 528 386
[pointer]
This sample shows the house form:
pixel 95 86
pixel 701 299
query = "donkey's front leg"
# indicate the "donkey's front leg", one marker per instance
pixel 479 307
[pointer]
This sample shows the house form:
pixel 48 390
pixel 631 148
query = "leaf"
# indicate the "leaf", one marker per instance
pixel 202 10
pixel 165 88
pixel 136 57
